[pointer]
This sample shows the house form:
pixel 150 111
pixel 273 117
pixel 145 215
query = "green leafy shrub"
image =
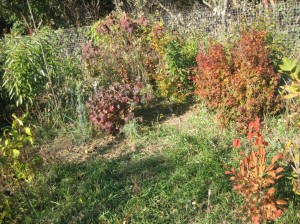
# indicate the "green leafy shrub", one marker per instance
pixel 292 70
pixel 239 83
pixel 35 68
pixel 40 77
pixel 292 148
pixel 25 73
pixel 5 102
pixel 174 79
pixel 291 92
pixel 110 108
pixel 13 172
pixel 255 179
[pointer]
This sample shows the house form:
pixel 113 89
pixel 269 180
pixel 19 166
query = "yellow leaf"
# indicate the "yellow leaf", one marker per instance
pixel 15 153
pixel 28 131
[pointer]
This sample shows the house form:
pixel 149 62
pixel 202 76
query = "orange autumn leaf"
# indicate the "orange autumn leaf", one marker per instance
pixel 276 157
pixel 279 169
pixel 272 173
pixel 236 143
pixel 281 202
pixel 271 191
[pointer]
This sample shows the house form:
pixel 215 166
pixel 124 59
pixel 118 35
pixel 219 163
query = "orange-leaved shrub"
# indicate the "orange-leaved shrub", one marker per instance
pixel 240 82
pixel 255 179
pixel 214 76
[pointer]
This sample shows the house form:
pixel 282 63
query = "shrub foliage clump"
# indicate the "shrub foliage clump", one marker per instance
pixel 118 44
pixel 255 179
pixel 240 82
pixel 110 108
pixel 146 51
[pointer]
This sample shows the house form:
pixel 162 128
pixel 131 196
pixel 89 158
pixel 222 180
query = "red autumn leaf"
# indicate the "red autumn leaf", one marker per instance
pixel 278 213
pixel 227 172
pixel 270 167
pixel 258 140
pixel 251 125
pixel 255 219
pixel 249 136
pixel 233 170
pixel 236 143
pixel 237 187
pixel 269 181
pixel 256 124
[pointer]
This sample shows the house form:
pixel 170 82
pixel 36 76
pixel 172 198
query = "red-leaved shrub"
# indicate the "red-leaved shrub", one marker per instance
pixel 239 83
pixel 110 108
pixel 215 73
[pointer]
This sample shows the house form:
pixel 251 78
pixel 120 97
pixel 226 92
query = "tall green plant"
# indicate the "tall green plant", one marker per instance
pixel 34 66
pixel 25 76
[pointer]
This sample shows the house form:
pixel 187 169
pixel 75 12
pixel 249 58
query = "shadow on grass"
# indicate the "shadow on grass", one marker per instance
pixel 173 187
pixel 160 111
pixel 97 191
pixel 284 187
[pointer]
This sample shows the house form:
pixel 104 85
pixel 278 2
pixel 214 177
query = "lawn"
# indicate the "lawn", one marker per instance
pixel 170 172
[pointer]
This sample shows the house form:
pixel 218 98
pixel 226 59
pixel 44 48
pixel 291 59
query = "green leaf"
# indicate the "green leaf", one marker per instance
pixel 17 120
pixel 6 142
pixel 28 139
pixel 288 65
pixel 297 71
pixel 15 153
pixel 28 131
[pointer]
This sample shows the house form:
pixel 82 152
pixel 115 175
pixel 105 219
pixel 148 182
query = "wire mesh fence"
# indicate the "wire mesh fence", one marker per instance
pixel 284 17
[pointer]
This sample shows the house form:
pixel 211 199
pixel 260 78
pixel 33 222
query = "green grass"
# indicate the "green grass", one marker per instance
pixel 182 164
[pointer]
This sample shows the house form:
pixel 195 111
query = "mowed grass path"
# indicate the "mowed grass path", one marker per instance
pixel 172 172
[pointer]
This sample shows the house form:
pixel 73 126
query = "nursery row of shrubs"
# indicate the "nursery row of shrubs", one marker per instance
pixel 237 78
